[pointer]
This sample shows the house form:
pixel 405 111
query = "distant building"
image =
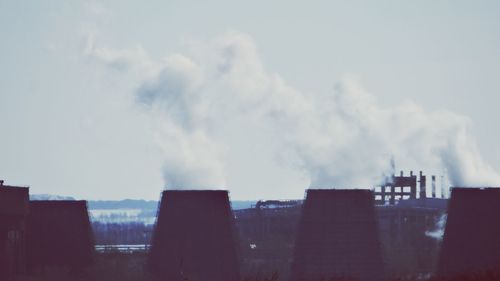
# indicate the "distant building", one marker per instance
pixel 409 226
pixel 409 249
pixel 266 235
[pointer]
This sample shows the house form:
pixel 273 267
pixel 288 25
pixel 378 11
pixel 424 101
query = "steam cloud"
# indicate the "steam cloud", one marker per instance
pixel 339 139
pixel 438 231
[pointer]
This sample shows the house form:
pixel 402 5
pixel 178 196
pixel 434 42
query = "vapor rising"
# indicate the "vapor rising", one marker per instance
pixel 342 138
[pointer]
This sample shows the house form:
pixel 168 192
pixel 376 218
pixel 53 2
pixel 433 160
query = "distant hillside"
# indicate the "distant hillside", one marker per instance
pixel 36 197
pixel 129 203
pixel 150 204
pixel 127 210
pixel 123 204
pixel 241 204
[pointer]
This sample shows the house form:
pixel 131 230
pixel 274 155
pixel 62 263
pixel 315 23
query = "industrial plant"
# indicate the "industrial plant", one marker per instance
pixel 395 230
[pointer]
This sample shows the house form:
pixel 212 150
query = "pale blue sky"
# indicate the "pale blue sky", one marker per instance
pixel 70 127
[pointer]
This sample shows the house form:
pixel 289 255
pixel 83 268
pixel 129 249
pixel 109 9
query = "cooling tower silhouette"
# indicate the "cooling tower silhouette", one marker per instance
pixel 59 234
pixel 193 238
pixel 471 240
pixel 337 237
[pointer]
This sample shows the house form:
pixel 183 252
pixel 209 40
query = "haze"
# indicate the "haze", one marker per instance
pixel 114 99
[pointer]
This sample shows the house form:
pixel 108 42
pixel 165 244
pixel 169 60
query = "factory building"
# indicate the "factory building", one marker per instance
pixel 406 223
pixel 266 237
pixel 406 217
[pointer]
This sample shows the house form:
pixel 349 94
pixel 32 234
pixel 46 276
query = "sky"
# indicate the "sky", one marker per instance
pixel 121 99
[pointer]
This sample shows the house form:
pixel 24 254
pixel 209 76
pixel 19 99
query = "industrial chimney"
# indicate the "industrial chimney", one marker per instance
pixel 59 234
pixel 433 178
pixel 471 242
pixel 423 187
pixel 337 237
pixel 13 211
pixel 193 238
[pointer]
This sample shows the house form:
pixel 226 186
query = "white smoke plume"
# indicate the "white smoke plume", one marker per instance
pixel 339 139
pixel 438 231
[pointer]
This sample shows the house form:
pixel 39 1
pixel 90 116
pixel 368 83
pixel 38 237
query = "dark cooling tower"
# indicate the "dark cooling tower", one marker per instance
pixel 13 211
pixel 471 240
pixel 193 238
pixel 337 237
pixel 59 234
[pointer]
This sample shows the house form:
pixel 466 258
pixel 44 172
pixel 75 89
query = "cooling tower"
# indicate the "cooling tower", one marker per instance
pixel 193 238
pixel 13 211
pixel 337 237
pixel 471 240
pixel 59 234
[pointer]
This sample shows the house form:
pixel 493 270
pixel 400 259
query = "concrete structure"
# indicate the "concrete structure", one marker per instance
pixel 266 236
pixel 59 234
pixel 13 211
pixel 193 238
pixel 337 236
pixel 402 187
pixel 471 241
pixel 406 230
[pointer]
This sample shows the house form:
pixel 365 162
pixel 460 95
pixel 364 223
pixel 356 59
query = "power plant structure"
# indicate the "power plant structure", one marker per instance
pixel 266 236
pixel 471 242
pixel 406 219
pixel 391 231
pixel 194 237
pixel 59 234
pixel 13 212
pixel 337 237
pixel 402 187
pixel 39 234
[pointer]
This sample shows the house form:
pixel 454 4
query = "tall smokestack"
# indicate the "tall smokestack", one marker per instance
pixel 442 187
pixel 471 240
pixel 193 238
pixel 337 237
pixel 433 178
pixel 423 191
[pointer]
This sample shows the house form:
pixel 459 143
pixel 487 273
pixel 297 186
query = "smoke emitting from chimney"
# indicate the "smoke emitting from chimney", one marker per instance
pixel 211 100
